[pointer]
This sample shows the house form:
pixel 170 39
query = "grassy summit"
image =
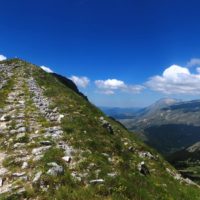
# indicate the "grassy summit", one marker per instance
pixel 66 148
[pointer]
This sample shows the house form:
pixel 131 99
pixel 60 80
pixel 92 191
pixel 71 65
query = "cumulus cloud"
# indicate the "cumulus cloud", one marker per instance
pixel 80 81
pixel 175 80
pixel 46 69
pixel 2 57
pixel 109 86
pixel 112 84
pixel 194 62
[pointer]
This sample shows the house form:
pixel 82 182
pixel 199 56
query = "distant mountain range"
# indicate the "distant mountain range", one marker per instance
pixel 173 128
pixel 120 113
pixel 168 125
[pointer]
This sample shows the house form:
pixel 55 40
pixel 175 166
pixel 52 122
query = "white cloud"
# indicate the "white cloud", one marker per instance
pixel 135 88
pixel 198 70
pixel 2 57
pixel 175 80
pixel 109 86
pixel 80 81
pixel 46 69
pixel 175 72
pixel 107 92
pixel 194 62
pixel 112 84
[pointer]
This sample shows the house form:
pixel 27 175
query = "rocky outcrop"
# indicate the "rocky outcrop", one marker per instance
pixel 143 169
pixel 106 125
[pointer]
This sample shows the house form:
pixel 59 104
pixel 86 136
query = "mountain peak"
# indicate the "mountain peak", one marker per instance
pixel 167 101
pixel 13 61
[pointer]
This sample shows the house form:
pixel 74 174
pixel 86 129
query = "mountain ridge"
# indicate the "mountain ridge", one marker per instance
pixel 56 145
pixel 168 127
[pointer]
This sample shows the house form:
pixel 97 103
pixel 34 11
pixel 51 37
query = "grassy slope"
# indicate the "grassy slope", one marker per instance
pixel 84 131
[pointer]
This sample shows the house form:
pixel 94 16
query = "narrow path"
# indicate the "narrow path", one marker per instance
pixel 28 129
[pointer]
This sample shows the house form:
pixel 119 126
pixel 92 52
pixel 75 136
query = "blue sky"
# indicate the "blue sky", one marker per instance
pixel 116 50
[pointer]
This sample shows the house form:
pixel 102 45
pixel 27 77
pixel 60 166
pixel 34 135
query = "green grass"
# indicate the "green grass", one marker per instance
pixel 129 184
pixel 83 130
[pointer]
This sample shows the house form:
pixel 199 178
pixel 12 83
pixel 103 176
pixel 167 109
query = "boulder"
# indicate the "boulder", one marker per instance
pixel 97 181
pixel 37 177
pixel 24 165
pixel 18 174
pixel 21 130
pixel 67 159
pixel 46 143
pixel 106 125
pixel 40 150
pixel 20 135
pixel 55 169
pixel 60 118
pixel 143 169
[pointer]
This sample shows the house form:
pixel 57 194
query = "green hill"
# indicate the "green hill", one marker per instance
pixel 54 144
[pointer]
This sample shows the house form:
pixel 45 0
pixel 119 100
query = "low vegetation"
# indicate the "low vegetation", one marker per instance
pixel 106 159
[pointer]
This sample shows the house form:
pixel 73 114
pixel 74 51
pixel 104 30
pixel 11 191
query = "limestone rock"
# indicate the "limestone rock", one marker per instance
pixel 24 165
pixel 18 174
pixel 97 181
pixel 67 159
pixel 55 169
pixel 40 150
pixel 37 177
